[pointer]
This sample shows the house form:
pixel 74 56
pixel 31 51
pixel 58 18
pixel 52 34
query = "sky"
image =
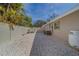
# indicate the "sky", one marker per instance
pixel 42 11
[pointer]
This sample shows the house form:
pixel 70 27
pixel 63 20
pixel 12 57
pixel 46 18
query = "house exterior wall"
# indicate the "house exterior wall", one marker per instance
pixel 67 23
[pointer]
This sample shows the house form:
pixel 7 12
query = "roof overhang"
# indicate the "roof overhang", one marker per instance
pixel 65 14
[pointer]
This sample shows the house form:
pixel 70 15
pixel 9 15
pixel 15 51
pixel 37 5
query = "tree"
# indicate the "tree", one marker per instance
pixel 39 23
pixel 11 13
pixel 53 16
pixel 27 21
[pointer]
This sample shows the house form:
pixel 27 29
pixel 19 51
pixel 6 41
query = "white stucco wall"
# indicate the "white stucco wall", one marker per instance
pixel 4 32
pixel 68 23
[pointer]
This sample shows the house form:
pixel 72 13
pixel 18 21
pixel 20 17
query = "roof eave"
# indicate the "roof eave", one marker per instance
pixel 67 13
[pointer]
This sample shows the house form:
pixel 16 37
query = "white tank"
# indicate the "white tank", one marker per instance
pixel 74 39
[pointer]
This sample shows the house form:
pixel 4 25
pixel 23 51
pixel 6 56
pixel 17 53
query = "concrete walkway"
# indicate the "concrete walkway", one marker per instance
pixel 51 46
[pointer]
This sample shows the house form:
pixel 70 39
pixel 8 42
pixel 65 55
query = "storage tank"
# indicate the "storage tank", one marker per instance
pixel 74 39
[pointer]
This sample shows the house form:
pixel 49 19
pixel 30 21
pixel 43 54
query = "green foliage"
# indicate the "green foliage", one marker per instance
pixel 39 23
pixel 12 13
pixel 27 21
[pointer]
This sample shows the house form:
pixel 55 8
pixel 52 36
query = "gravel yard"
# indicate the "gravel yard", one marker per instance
pixel 20 43
pixel 44 45
pixel 34 44
pixel 19 47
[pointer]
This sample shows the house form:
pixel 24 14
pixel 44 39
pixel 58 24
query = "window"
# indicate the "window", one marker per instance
pixel 57 25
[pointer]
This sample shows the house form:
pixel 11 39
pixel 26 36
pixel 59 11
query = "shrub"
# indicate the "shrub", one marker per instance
pixel 47 32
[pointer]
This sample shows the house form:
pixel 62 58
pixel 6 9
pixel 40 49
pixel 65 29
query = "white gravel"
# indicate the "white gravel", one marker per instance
pixel 18 47
pixel 20 43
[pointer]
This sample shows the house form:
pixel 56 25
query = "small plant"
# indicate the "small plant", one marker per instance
pixel 30 31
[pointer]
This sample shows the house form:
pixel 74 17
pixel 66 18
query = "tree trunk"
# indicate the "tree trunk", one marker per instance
pixel 10 33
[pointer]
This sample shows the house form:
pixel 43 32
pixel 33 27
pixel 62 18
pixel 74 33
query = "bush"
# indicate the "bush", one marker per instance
pixel 47 32
pixel 30 30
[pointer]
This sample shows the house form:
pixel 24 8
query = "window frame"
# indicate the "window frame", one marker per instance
pixel 57 25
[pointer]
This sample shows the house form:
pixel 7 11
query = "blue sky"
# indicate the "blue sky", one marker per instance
pixel 45 10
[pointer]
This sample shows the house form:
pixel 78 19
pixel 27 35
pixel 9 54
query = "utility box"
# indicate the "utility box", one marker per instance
pixel 74 39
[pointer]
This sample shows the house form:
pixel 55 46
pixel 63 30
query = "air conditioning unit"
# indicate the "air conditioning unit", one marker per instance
pixel 74 39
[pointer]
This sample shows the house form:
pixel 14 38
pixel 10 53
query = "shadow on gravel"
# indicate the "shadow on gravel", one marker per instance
pixel 36 45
